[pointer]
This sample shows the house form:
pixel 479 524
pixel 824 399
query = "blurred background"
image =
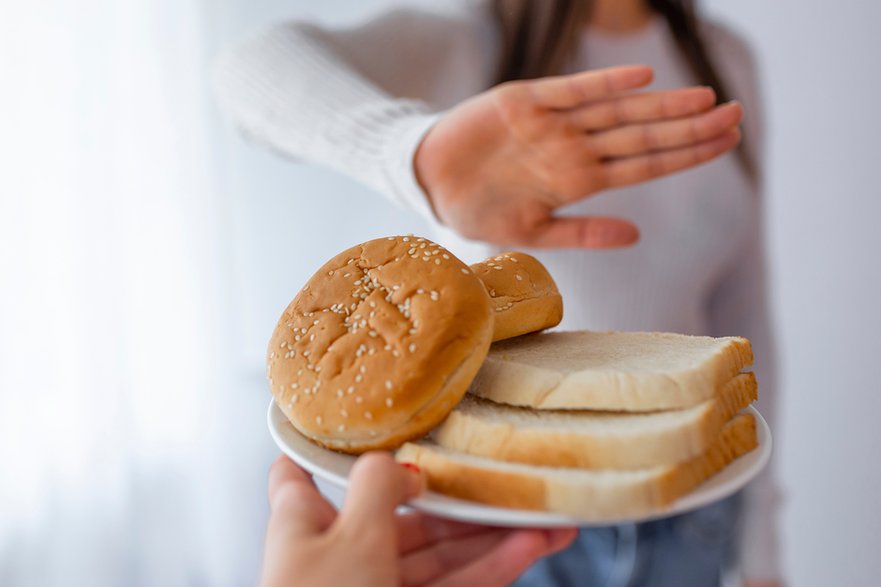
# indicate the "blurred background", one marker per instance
pixel 146 251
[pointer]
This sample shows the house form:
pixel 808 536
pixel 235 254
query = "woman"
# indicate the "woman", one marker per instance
pixel 409 104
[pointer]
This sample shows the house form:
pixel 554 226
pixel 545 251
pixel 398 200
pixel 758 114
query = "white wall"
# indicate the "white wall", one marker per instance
pixel 820 64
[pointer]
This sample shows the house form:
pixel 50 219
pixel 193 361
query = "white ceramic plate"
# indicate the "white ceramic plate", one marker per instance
pixel 334 467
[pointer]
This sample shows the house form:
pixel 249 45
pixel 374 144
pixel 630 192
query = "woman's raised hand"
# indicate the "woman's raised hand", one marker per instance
pixel 497 166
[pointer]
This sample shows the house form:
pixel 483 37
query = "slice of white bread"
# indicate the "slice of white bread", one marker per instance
pixel 629 371
pixel 597 495
pixel 522 293
pixel 588 439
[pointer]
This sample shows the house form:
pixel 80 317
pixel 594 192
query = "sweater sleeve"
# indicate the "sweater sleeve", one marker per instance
pixel 740 306
pixel 354 100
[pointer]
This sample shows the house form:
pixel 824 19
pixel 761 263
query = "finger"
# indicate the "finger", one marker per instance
pixel 645 107
pixel 620 172
pixel 296 504
pixel 507 561
pixel 417 530
pixel 440 558
pixel 568 91
pixel 656 136
pixel 377 486
pixel 592 232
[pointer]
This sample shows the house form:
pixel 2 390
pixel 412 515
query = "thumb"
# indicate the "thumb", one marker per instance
pixel 588 232
pixel 377 486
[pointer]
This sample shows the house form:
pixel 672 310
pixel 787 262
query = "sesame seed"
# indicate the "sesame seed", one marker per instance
pixel 420 240
pixel 519 277
pixel 297 337
pixel 513 259
pixel 406 239
pixel 341 427
pixel 344 413
pixel 305 287
pixel 465 271
pixel 362 369
pixel 388 384
pixel 330 272
pixel 434 295
pixel 446 256
pixel 372 304
pixel 358 378
pixel 306 353
pixel 389 402
pixel 373 334
pixel 294 386
pixel 272 354
pixel 294 398
pixel 499 258
pixel 412 347
pixel 358 399
pixel 318 420
pixel 315 323
pixel 350 390
pixel 311 337
pixel 437 261
pixel 420 291
pixel 396 353
pixel 339 393
pixel 391 238
pixel 368 415
pixel 497 267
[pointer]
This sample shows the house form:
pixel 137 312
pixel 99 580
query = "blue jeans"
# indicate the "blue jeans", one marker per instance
pixel 690 550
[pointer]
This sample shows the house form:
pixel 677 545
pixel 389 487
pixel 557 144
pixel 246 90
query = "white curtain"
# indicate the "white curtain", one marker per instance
pixel 131 450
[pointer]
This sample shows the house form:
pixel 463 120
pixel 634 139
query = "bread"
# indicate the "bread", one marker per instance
pixel 597 495
pixel 630 371
pixel 523 294
pixel 379 345
pixel 592 440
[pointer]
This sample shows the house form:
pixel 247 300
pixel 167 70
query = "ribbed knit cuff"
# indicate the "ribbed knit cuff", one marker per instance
pixel 404 139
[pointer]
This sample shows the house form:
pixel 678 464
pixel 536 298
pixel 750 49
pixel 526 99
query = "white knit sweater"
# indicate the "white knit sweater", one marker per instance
pixel 360 100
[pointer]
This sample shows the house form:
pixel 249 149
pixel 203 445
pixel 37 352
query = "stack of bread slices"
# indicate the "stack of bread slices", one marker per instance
pixel 604 425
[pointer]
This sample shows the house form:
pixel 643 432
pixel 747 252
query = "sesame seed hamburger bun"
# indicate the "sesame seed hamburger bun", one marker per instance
pixel 379 345
pixel 523 294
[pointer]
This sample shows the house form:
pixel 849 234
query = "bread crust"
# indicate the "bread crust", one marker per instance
pixel 604 495
pixel 379 345
pixel 523 294
pixel 628 371
pixel 592 440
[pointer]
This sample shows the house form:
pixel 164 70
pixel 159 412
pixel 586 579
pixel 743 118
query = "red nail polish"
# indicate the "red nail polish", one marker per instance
pixel 412 466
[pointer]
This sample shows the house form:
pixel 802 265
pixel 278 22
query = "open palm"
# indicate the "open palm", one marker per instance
pixel 498 166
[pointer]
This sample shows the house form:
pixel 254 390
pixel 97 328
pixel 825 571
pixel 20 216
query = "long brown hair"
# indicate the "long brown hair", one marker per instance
pixel 540 36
